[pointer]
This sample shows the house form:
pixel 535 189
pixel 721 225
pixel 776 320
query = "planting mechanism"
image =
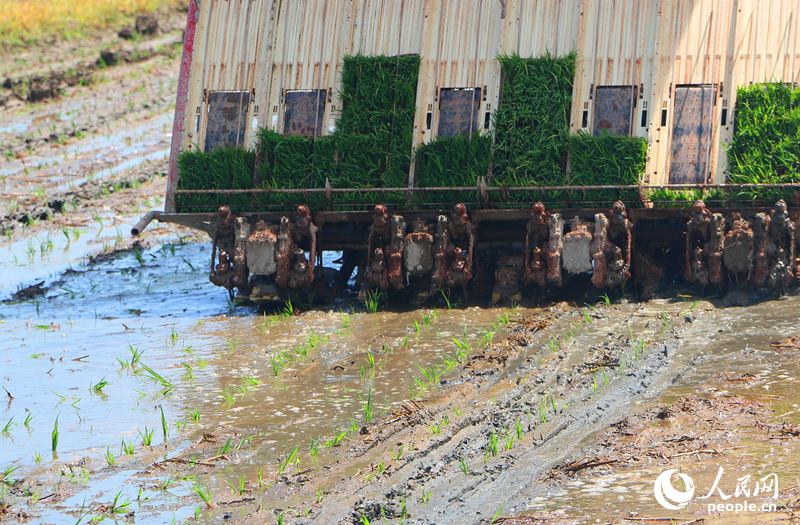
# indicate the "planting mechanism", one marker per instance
pixel 491 169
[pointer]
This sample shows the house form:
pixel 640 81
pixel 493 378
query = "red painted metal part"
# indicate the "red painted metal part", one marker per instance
pixel 180 105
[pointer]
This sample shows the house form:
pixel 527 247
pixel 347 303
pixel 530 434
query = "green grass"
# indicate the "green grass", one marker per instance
pixel 223 168
pixel 766 140
pixel 532 123
pixel 607 160
pixel 451 161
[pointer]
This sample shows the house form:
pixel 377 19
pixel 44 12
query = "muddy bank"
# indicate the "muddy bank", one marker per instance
pixel 41 72
pixel 98 148
pixel 505 439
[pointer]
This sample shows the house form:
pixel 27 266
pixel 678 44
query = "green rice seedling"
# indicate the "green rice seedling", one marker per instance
pixel 195 415
pixel 664 322
pixel 167 482
pixel 364 520
pixel 464 348
pixel 123 363
pixel 314 448
pixel 188 264
pixel 155 376
pixel 496 514
pixel 764 148
pixel 117 506
pixel 367 407
pixel 519 430
pixel 135 356
pixel 373 300
pixel 426 495
pixel 173 335
pixel 6 476
pixel 416 326
pixel 250 380
pixel 606 160
pixel 54 436
pixel 370 359
pixel 225 448
pixel 147 436
pixel 491 447
pixel 37 457
pixel 532 124
pixel 288 309
pixel 509 440
pixel 446 297
pixel 285 463
pixel 189 375
pixel 127 447
pixel 462 463
pixel 227 397
pixel 543 409
pixel 7 426
pixel 98 387
pixel 398 452
pixel 239 487
pixel 431 374
pixel 110 458
pixel 338 438
pixel 452 161
pixel 554 344
pixel 259 479
pixel 164 428
pixel 503 319
pixel 205 495
pixel 276 366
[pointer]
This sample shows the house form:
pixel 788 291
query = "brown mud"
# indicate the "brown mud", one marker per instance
pixel 105 129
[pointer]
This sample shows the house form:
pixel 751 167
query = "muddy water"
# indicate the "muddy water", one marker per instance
pixel 48 251
pixel 772 377
pixel 212 368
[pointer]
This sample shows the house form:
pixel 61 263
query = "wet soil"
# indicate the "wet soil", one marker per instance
pixel 104 133
pixel 174 403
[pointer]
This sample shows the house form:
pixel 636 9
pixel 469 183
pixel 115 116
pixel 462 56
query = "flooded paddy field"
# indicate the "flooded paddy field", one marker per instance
pixel 135 391
pixel 110 348
pixel 172 403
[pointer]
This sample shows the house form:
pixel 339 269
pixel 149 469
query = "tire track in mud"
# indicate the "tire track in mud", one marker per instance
pixel 430 483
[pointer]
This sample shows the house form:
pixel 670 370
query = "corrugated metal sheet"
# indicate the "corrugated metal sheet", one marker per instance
pixel 270 46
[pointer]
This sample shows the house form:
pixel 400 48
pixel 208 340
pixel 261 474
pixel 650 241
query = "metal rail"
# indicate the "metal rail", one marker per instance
pixel 480 188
